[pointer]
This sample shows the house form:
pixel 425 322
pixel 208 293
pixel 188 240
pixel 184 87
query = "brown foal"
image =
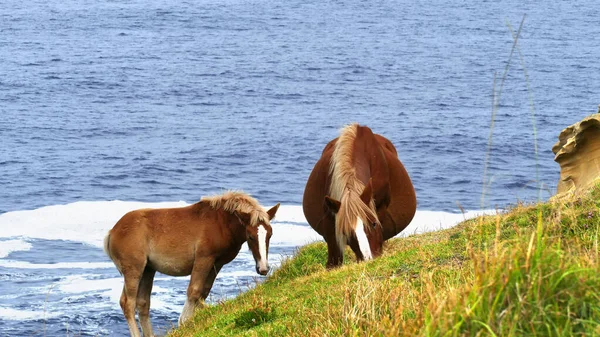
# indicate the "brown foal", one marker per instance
pixel 198 240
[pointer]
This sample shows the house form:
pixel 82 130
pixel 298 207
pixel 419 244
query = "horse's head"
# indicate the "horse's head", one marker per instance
pixel 258 237
pixel 356 222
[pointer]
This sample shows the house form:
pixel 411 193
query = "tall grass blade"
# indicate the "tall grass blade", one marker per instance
pixel 496 96
pixel 531 109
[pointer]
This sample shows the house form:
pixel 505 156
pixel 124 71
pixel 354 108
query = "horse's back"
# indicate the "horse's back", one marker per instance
pixel 137 223
pixel 386 144
pixel 317 187
pixel 165 238
pixel 391 184
pixel 403 201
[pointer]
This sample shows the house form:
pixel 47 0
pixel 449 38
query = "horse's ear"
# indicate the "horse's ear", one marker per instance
pixel 332 204
pixel 367 193
pixel 244 217
pixel 272 211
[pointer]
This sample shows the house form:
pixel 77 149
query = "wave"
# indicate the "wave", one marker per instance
pixel 89 221
pixel 428 221
pixel 24 315
pixel 59 265
pixel 9 246
pixel 82 221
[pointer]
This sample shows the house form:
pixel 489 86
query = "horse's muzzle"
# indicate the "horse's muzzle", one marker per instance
pixel 262 271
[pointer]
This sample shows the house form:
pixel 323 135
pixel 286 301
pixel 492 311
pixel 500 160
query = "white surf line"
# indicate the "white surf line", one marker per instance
pixel 9 246
pixel 11 314
pixel 59 265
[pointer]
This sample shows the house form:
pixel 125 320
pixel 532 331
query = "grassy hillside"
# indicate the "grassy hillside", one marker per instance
pixel 531 271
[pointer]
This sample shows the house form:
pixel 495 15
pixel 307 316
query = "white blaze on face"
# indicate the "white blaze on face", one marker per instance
pixel 363 242
pixel 262 247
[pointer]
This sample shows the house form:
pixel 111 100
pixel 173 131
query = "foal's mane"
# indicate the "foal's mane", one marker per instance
pixel 239 201
pixel 345 185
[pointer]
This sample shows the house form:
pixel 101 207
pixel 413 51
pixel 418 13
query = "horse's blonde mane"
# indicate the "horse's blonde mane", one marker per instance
pixel 345 185
pixel 232 201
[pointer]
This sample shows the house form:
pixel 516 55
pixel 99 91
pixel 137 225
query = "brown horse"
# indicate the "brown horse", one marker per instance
pixel 198 240
pixel 358 194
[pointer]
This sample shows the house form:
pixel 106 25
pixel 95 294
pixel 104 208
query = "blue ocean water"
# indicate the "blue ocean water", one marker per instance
pixel 157 101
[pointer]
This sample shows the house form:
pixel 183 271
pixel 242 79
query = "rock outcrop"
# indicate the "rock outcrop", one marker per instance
pixel 578 154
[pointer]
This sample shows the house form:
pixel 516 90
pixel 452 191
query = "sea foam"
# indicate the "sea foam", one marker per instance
pixel 24 315
pixel 89 221
pixel 59 265
pixel 9 246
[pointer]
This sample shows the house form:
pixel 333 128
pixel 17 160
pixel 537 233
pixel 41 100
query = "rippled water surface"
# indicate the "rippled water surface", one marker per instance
pixel 157 101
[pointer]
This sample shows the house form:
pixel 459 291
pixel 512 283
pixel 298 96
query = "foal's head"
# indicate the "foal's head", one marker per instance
pixel 356 222
pixel 258 234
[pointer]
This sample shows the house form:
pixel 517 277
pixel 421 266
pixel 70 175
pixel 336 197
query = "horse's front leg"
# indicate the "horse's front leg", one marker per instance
pixel 202 268
pixel 210 279
pixel 335 255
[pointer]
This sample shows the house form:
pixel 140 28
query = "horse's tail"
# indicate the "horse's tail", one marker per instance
pixel 107 245
pixel 107 250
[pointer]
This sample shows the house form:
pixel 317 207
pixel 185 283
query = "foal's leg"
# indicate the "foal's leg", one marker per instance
pixel 132 277
pixel 143 301
pixel 202 267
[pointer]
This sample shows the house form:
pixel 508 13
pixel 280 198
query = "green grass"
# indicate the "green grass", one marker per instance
pixel 532 271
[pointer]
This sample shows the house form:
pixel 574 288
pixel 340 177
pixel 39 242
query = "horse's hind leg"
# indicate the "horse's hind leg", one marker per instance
pixel 128 298
pixel 143 301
